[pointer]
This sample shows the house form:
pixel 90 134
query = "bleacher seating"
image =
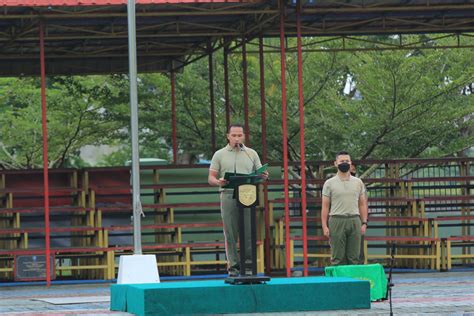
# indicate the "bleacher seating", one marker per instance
pixel 425 214
pixel 404 203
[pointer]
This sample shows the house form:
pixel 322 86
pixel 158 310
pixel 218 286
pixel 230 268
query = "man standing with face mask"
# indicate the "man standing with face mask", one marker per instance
pixel 344 212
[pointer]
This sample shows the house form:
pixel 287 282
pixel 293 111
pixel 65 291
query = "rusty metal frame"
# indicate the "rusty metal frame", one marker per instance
pixel 356 44
pixel 171 36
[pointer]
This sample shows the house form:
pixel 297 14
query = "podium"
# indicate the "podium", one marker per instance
pixel 246 196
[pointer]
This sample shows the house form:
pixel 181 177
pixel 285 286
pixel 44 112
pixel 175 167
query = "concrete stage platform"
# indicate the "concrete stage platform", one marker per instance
pixel 217 297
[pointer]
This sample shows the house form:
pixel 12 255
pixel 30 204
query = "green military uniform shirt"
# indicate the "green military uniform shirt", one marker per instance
pixel 344 195
pixel 231 159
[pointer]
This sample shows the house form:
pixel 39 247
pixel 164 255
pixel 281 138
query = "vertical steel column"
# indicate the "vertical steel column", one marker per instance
pixel 263 111
pixel 173 118
pixel 44 124
pixel 284 136
pixel 263 115
pixel 246 91
pixel 211 97
pixel 302 152
pixel 226 86
pixel 132 55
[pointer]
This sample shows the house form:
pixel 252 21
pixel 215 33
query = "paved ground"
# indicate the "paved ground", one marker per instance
pixel 413 294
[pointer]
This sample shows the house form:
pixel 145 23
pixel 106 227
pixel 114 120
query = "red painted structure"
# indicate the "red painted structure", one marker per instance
pixel 77 3
pixel 347 25
pixel 263 119
pixel 285 136
pixel 45 154
pixel 302 144
pixel 173 118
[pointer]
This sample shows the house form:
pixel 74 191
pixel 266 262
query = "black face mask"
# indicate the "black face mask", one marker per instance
pixel 344 167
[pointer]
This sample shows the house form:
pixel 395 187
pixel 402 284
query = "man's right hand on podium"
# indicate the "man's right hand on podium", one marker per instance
pixel 221 182
pixel 213 180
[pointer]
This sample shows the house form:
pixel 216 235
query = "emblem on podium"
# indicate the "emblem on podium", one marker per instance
pixel 247 194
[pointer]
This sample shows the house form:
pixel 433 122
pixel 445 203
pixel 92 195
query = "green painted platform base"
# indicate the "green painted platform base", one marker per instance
pixel 217 297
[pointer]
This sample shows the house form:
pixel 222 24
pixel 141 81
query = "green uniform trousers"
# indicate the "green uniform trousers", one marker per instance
pixel 345 238
pixel 230 219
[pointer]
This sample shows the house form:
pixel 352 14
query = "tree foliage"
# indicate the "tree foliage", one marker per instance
pixel 75 118
pixel 409 105
pixel 376 104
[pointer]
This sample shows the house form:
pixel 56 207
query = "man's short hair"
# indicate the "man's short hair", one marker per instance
pixel 234 125
pixel 342 152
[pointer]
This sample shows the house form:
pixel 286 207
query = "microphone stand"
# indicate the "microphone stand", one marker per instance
pixel 390 284
pixel 235 159
pixel 243 149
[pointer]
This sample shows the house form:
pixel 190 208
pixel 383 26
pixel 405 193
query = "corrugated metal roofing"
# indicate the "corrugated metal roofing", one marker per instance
pixel 45 3
pixel 83 40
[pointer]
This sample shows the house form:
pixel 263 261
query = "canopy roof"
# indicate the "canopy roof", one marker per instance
pixel 81 3
pixel 90 37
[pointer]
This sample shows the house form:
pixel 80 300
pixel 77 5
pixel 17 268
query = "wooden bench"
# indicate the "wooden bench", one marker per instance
pixel 433 244
pixel 465 222
pixel 182 254
pixel 322 255
pixel 186 251
pixel 391 206
pixel 177 253
pixel 40 209
pixel 279 239
pixel 167 210
pixel 418 243
pixel 86 241
pixel 404 226
pixel 103 258
pixel 173 230
pixel 401 225
pixel 79 259
pixel 34 196
pixel 456 241
pixel 15 213
pixel 22 235
pixel 452 203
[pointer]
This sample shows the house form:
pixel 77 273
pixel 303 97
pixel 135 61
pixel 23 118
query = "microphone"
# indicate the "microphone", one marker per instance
pixel 242 148
pixel 235 159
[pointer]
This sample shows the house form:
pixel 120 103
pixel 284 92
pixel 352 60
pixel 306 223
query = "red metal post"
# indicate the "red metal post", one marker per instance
pixel 246 92
pixel 263 115
pixel 226 86
pixel 45 156
pixel 302 153
pixel 173 118
pixel 211 98
pixel 285 137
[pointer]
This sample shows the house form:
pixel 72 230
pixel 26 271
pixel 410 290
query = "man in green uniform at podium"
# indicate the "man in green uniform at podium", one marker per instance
pixel 344 202
pixel 235 158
